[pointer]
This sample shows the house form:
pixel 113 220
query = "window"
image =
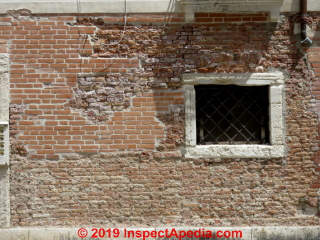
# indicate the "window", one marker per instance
pixel 230 114
pixel 234 115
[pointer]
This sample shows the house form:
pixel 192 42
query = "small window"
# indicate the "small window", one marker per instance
pixel 230 114
pixel 234 115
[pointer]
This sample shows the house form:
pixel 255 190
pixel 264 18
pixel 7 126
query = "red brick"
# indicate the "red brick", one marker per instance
pixel 142 140
pixel 201 15
pixel 204 20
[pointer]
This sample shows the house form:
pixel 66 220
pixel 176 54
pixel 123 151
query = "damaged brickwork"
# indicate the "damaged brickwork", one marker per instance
pixel 97 128
pixel 101 96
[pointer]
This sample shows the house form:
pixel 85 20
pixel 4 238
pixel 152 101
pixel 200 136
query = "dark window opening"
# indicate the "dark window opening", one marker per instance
pixel 229 114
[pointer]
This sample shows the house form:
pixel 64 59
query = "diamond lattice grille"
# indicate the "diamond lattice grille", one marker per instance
pixel 228 114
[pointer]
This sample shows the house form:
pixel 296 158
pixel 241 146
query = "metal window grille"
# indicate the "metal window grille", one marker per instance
pixel 229 114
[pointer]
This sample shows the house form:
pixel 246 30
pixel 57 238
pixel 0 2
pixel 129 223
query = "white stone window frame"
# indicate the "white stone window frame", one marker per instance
pixel 276 148
pixel 4 106
pixel 4 159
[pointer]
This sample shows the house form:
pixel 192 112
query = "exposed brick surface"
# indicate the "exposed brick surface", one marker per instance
pixel 97 125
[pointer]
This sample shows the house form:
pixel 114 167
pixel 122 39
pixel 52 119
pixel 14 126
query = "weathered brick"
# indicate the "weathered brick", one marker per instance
pixel 124 108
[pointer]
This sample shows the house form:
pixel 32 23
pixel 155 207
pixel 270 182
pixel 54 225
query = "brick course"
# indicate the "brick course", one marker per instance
pixel 97 126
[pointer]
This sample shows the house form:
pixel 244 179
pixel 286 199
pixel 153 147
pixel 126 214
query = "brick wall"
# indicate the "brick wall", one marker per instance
pixel 97 126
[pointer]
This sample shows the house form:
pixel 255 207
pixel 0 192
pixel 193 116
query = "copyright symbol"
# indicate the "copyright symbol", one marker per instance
pixel 82 232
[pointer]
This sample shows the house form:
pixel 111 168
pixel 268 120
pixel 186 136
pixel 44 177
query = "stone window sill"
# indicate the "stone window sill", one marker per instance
pixel 235 151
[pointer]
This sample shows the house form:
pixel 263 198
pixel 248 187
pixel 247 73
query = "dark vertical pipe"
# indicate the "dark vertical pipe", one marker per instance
pixel 303 15
pixel 303 6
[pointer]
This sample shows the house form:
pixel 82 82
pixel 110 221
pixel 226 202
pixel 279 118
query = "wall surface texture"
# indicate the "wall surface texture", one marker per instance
pixel 97 121
pixel 148 6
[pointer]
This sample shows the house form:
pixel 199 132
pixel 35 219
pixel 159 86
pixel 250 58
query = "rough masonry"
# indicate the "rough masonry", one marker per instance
pixel 97 121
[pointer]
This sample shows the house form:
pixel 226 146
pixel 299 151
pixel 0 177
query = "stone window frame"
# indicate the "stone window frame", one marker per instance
pixel 4 120
pixel 4 106
pixel 276 148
